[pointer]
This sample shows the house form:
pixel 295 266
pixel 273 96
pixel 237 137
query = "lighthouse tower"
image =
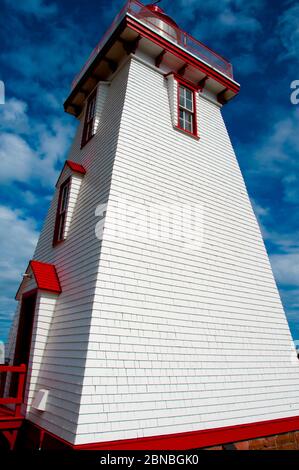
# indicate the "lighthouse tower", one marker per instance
pixel 149 316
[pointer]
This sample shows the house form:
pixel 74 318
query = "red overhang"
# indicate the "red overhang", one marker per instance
pixel 76 167
pixel 45 276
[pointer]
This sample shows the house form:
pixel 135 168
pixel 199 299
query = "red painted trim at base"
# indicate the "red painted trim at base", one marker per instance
pixel 193 439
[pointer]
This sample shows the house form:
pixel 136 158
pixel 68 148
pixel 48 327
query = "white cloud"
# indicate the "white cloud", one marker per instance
pixel 18 237
pixel 286 268
pixel 13 115
pixel 17 158
pixel 274 152
pixel 291 188
pixel 288 28
pixel 53 144
pixel 21 160
pixel 246 64
pixel 38 8
pixel 217 19
pixel 30 198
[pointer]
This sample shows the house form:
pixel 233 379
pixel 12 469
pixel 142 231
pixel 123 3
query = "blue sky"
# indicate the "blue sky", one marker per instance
pixel 45 43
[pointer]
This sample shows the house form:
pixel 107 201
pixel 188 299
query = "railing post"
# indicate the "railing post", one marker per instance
pixel 3 377
pixel 20 393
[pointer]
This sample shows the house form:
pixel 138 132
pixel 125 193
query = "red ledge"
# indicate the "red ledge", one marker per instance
pixel 145 32
pixel 194 439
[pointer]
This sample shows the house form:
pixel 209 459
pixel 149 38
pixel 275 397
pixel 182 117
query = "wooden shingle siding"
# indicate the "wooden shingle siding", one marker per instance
pixel 59 359
pixel 183 339
pixel 151 336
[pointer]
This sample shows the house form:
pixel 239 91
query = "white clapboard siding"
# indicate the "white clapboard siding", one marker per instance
pixel 102 92
pixel 152 335
pixel 182 339
pixel 172 87
pixel 62 354
pixel 76 181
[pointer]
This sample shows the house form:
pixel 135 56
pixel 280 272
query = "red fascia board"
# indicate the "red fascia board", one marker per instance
pixel 199 439
pixel 45 276
pixel 194 439
pixel 190 60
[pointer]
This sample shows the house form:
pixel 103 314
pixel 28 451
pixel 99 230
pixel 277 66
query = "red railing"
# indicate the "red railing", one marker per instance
pixel 180 37
pixel 17 375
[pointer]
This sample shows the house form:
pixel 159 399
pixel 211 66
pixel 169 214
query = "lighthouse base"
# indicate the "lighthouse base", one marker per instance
pixel 279 434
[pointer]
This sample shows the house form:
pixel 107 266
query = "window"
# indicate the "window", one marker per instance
pixel 61 212
pixel 186 109
pixel 88 130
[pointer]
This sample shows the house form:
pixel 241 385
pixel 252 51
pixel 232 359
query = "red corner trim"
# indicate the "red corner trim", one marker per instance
pixel 190 60
pixel 194 439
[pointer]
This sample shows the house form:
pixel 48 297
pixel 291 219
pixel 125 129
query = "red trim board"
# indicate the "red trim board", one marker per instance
pixel 193 439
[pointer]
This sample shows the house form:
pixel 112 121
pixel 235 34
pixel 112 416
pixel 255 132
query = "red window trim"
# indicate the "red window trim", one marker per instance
pixel 181 82
pixel 59 214
pixel 89 122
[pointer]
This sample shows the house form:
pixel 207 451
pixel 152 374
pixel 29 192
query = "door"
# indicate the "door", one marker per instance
pixel 24 336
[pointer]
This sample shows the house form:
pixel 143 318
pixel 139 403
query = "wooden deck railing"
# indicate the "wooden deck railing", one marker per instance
pixel 17 374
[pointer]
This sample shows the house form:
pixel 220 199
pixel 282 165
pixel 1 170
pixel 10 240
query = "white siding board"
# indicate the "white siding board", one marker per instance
pixel 149 337
pixel 77 264
pixel 220 332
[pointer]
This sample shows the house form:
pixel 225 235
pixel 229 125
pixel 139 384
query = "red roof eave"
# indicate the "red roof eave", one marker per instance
pixel 74 167
pixel 45 276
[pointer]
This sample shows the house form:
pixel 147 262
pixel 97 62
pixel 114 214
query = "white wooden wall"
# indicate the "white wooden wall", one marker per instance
pixel 77 264
pixel 149 336
pixel 183 339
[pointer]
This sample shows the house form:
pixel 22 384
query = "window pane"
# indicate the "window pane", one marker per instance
pixel 186 109
pixel 188 94
pixel 89 128
pixel 182 97
pixel 189 126
pixel 189 104
pixel 64 198
pixel 61 228
pixel 186 98
pixel 91 109
pixel 182 119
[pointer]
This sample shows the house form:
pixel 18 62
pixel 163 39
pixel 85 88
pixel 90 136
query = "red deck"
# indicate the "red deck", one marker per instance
pixel 10 417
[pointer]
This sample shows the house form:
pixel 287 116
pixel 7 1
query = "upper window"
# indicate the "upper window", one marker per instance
pixel 61 212
pixel 186 109
pixel 88 130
